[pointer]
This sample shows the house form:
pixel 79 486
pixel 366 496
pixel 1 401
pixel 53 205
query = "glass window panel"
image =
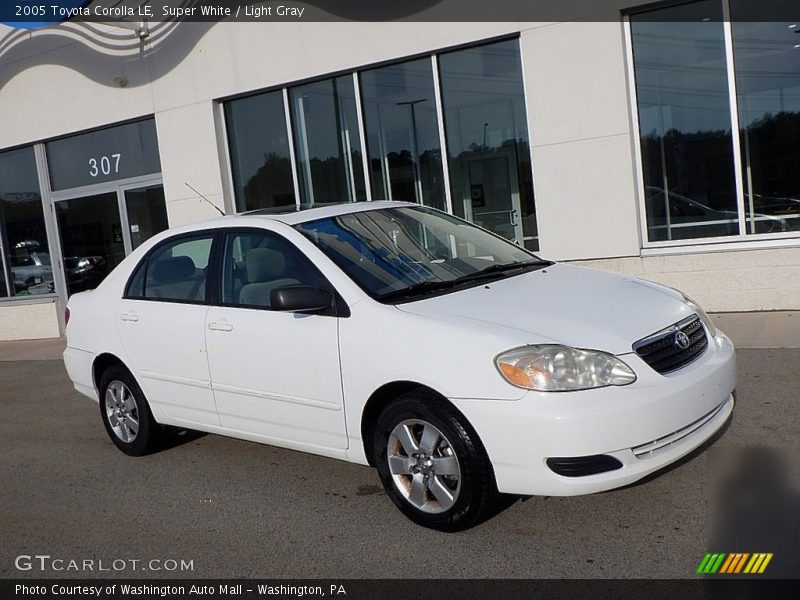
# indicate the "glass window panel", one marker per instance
pixel 136 283
pixel 685 122
pixel 487 139
pixel 767 67
pixel 177 271
pixel 147 213
pixel 91 239
pixel 402 132
pixel 327 143
pixel 22 231
pixel 259 147
pixel 109 154
pixel 255 263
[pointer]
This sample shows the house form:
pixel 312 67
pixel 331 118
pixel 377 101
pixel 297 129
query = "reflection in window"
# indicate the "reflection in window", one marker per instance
pixel 259 147
pixel 327 144
pixel 767 67
pixel 26 266
pixel 685 122
pixel 402 133
pixel 487 139
pixel 91 239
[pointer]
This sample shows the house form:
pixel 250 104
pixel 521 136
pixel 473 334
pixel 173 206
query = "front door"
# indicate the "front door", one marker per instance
pixel 275 375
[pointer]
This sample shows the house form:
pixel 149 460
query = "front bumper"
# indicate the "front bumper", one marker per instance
pixel 646 425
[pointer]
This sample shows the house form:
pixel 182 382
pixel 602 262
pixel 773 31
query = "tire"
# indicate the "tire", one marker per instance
pixel 126 414
pixel 432 464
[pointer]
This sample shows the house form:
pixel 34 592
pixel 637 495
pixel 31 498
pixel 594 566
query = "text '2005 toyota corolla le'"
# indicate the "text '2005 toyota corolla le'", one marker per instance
pixel 455 362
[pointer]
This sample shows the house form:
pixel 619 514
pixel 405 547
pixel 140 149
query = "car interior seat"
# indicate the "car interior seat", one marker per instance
pixel 176 278
pixel 266 271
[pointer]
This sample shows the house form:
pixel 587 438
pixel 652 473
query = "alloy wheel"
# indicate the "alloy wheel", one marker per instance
pixel 122 411
pixel 424 466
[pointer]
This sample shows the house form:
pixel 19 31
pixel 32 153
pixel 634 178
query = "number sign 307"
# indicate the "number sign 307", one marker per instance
pixel 105 165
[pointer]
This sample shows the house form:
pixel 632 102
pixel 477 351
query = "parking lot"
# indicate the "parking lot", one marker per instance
pixel 238 509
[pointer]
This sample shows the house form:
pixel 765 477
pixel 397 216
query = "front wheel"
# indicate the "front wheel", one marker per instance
pixel 126 414
pixel 432 464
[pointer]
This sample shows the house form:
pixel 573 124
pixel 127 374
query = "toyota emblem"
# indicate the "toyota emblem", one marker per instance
pixel 682 340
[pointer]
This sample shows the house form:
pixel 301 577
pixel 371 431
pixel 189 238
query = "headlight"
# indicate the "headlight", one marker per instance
pixel 554 368
pixel 712 331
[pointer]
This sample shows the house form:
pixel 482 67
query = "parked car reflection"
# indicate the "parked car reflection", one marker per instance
pixel 33 273
pixel 84 272
pixel 689 218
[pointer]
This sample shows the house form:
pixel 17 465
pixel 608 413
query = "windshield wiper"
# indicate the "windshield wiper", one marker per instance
pixel 419 288
pixel 491 272
pixel 500 268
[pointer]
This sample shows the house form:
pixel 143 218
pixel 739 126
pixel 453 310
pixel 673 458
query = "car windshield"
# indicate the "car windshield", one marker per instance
pixel 404 253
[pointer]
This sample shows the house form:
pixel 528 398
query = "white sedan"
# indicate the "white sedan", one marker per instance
pixel 456 363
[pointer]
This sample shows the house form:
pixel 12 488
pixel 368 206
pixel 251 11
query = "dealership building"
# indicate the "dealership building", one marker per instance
pixel 661 140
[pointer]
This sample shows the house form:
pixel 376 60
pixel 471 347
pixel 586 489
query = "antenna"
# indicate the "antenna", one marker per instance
pixel 219 210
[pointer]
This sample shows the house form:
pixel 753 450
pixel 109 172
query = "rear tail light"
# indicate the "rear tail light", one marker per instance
pixel 66 316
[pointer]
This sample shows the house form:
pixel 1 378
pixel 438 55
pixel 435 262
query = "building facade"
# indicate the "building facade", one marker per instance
pixel 661 142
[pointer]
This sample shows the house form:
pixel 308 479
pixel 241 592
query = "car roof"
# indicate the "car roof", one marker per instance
pixel 292 215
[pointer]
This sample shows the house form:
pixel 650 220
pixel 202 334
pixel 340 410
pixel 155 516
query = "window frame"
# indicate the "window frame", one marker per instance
pixel 742 240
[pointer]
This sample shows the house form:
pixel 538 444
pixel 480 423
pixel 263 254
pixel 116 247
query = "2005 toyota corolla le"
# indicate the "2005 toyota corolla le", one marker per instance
pixel 455 362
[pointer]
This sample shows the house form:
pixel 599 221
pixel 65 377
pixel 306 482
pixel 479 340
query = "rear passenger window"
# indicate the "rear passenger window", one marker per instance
pixel 178 270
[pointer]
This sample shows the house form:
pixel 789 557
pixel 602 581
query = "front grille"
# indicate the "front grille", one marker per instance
pixel 662 351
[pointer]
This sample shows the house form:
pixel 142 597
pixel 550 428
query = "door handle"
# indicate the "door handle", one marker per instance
pixel 220 326
pixel 133 317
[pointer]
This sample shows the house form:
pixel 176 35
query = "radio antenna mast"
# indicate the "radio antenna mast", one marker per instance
pixel 219 210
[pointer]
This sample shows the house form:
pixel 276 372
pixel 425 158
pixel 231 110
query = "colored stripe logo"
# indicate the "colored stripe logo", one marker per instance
pixel 734 563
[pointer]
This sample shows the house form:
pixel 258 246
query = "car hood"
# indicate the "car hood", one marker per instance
pixel 575 306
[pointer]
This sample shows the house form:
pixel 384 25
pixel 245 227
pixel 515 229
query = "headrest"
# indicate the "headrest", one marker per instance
pixel 263 264
pixel 169 270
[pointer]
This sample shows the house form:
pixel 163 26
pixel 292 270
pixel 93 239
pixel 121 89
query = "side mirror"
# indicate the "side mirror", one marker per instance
pixel 300 298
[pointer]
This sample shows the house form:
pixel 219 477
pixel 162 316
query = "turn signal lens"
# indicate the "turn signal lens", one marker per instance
pixel 556 368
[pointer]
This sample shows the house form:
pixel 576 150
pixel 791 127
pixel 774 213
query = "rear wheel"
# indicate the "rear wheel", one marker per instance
pixel 432 464
pixel 126 414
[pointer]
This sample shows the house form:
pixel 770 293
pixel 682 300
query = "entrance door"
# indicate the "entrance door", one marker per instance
pixel 494 196
pixel 147 213
pixel 92 241
pixel 98 230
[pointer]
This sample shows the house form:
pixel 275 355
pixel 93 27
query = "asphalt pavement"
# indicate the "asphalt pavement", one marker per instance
pixel 239 509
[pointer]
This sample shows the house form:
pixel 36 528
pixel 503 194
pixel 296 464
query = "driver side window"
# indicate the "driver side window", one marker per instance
pixel 257 262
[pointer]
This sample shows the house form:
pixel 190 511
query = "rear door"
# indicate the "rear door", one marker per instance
pixel 161 322
pixel 275 375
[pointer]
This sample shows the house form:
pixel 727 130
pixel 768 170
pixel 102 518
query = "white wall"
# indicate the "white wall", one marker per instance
pixel 28 321
pixel 582 152
pixel 730 281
